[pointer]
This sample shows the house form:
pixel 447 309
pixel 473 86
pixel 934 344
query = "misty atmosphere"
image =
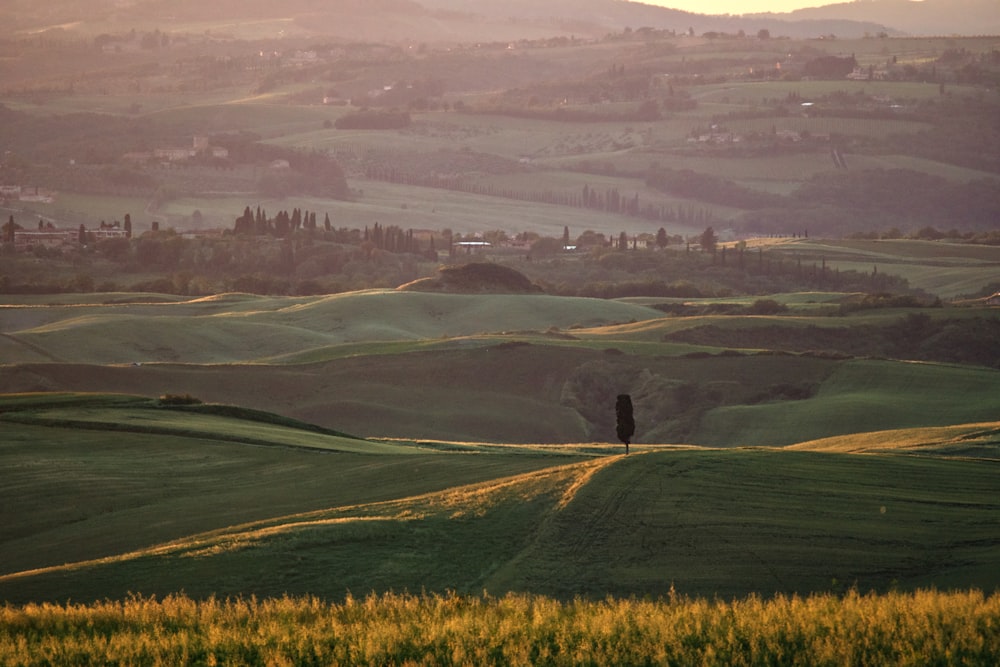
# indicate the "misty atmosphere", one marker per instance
pixel 467 332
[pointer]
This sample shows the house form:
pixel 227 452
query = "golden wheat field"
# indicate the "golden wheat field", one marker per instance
pixel 919 628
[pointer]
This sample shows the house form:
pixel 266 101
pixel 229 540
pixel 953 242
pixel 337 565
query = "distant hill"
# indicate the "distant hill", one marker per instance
pixel 475 278
pixel 605 15
pixel 928 17
pixel 416 20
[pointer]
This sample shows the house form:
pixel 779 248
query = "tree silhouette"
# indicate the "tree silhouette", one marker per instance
pixel 626 422
pixel 8 229
pixel 708 240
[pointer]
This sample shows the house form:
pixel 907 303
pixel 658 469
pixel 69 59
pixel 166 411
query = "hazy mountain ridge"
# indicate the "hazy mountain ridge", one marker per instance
pixel 422 20
pixel 926 17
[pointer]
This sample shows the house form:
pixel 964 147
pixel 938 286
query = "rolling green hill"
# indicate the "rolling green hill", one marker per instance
pixel 160 513
pixel 524 368
pixel 119 473
pixel 237 328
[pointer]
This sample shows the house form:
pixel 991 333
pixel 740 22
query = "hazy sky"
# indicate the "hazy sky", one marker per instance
pixel 739 6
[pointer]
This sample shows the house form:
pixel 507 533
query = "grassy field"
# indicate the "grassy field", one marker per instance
pixel 227 330
pixel 945 269
pixel 860 396
pixel 508 368
pixel 393 477
pixel 195 510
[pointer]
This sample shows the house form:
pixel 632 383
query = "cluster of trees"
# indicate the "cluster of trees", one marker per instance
pixel 914 336
pixel 397 240
pixel 609 272
pixel 830 67
pixel 283 225
pixel 409 94
pixel 316 258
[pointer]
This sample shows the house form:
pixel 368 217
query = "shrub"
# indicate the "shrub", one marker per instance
pixel 178 399
pixel 766 307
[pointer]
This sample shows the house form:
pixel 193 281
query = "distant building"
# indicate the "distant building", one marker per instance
pixel 50 237
pixel 199 144
pixel 173 154
pixel 22 193
pixel 25 240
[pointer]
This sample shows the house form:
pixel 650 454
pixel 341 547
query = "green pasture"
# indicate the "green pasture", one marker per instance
pixel 501 368
pixel 505 136
pixel 260 114
pixel 859 127
pixel 213 331
pixel 753 93
pixel 945 269
pixel 798 301
pixel 120 339
pixel 111 488
pixel 801 317
pixel 698 522
pixel 727 523
pixel 906 49
pixel 859 397
pixel 942 169
pixel 194 424
pixel 571 184
pixel 129 104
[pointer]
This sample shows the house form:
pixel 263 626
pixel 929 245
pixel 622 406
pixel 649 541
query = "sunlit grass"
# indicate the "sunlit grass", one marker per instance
pixel 920 628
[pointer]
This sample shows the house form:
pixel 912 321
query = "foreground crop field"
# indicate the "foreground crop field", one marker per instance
pixel 915 629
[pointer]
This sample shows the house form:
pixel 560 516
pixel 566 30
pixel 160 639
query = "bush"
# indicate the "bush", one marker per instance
pixel 178 399
pixel 766 307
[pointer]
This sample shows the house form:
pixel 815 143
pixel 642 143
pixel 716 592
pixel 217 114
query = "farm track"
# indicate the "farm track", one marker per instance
pixel 34 348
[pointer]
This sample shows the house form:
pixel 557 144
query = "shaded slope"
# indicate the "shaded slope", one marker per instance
pixel 564 392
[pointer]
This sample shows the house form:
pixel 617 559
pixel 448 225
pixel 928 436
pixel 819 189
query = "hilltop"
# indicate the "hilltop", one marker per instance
pixel 929 17
pixel 476 277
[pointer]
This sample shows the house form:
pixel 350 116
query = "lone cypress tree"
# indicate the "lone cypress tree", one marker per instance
pixel 626 423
